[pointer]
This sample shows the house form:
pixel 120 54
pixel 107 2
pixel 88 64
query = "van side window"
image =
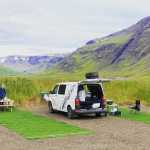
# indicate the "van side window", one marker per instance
pixel 55 89
pixel 62 89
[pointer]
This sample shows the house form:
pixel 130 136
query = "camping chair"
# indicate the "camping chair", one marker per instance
pixel 136 107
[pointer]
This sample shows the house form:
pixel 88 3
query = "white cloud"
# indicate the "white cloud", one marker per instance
pixel 39 26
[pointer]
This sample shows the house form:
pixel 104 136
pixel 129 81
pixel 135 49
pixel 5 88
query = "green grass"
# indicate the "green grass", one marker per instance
pixel 127 91
pixel 24 89
pixel 33 126
pixel 6 71
pixel 139 116
pixel 118 39
pixel 27 88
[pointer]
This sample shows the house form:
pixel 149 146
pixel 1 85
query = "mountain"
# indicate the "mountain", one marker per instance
pixel 126 52
pixel 30 64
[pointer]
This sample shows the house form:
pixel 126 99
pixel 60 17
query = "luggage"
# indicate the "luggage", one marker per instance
pixel 92 75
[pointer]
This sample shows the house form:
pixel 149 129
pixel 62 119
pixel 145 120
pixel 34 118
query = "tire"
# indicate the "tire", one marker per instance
pixel 50 107
pixel 70 113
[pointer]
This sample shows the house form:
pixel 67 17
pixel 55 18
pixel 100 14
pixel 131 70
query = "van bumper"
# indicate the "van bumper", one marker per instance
pixel 90 111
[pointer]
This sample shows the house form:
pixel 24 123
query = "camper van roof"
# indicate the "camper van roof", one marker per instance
pixel 98 80
pixel 70 83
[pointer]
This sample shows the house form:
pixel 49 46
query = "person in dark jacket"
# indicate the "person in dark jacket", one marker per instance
pixel 136 106
pixel 2 92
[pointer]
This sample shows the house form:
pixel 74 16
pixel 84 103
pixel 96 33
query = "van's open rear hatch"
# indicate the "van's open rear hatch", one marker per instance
pixel 94 95
pixel 94 81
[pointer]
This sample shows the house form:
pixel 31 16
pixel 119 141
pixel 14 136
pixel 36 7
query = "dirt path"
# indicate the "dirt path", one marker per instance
pixel 110 134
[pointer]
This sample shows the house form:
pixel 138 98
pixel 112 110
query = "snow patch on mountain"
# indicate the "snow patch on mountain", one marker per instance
pixel 30 64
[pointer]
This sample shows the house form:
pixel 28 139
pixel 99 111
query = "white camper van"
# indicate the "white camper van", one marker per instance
pixel 76 98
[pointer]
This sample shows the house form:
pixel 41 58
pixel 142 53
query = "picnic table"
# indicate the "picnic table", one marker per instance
pixel 6 105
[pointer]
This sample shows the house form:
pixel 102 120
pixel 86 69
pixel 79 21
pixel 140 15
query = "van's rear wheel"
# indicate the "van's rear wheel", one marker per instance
pixel 70 113
pixel 50 107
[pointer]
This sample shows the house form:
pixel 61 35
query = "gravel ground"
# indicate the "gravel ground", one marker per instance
pixel 111 133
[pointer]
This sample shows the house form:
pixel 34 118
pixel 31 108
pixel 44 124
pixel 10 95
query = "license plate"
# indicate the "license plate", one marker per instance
pixel 96 105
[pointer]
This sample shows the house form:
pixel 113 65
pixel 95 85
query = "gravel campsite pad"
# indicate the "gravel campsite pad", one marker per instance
pixel 109 133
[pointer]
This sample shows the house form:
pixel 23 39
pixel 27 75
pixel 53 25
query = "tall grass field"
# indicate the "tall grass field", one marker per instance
pixel 23 89
pixel 128 91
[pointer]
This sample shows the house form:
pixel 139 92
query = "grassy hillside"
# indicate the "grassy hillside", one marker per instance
pixel 6 71
pixel 124 53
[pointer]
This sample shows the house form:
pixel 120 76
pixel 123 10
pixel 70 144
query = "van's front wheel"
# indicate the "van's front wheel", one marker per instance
pixel 50 107
pixel 70 113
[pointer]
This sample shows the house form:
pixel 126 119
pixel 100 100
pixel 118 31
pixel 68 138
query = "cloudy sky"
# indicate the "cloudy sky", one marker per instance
pixel 30 27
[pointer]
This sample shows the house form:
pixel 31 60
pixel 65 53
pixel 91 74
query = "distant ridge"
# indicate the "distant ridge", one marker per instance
pixel 30 64
pixel 127 50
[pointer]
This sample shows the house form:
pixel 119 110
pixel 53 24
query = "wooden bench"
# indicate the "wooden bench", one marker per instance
pixel 7 106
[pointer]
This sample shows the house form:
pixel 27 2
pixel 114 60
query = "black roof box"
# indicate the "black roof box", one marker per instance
pixel 92 75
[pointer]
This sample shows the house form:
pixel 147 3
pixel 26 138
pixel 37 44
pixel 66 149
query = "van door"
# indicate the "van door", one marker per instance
pixel 61 96
pixel 54 96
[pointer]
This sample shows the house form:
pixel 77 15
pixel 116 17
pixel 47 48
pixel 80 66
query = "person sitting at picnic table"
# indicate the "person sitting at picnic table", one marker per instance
pixel 5 103
pixel 2 93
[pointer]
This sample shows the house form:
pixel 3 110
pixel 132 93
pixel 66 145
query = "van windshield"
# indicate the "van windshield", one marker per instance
pixel 55 90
